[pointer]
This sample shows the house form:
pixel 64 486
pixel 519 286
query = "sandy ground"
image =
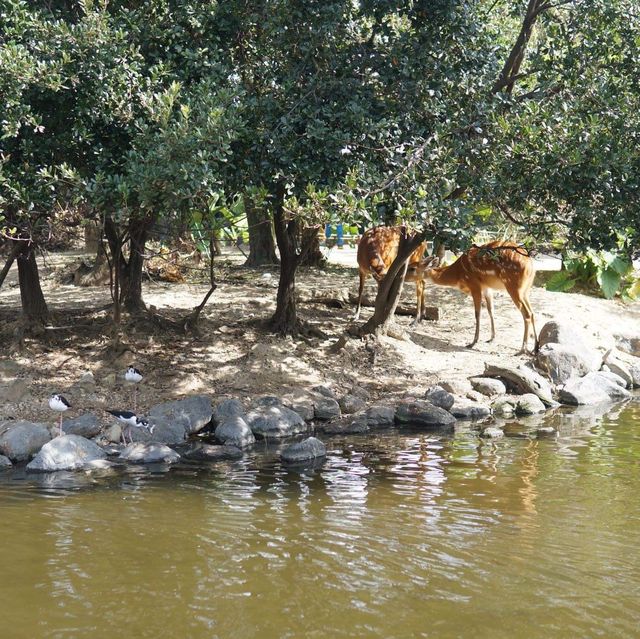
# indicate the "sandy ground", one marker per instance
pixel 235 356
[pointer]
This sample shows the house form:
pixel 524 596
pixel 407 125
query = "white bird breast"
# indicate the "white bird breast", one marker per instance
pixel 132 376
pixel 56 404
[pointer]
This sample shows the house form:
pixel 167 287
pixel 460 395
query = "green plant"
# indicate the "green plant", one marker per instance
pixel 604 271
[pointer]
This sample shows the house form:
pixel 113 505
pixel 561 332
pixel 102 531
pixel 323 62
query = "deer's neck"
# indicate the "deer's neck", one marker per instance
pixel 446 275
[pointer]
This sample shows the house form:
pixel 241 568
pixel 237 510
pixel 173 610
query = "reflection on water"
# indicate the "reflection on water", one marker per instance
pixel 399 534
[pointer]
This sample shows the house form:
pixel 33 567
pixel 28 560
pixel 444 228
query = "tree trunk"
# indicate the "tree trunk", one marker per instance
pixel 285 320
pixel 132 282
pixel 15 251
pixel 34 306
pixel 262 249
pixel 390 287
pixel 313 255
pixel 92 237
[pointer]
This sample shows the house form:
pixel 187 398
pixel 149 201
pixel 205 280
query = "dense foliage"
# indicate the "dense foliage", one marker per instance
pixel 447 113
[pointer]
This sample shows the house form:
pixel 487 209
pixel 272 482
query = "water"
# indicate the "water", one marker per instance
pixel 398 535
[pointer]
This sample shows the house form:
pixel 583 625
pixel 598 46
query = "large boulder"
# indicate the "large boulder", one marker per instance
pixel 560 362
pixel 593 388
pixel 521 379
pixel 274 421
pixel 306 450
pixel 149 453
pixel 166 430
pixel 234 431
pixel 194 413
pixel 69 452
pixel 87 425
pixel 438 396
pixel 421 413
pixel 21 440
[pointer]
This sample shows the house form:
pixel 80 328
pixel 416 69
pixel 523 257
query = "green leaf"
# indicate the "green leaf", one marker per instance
pixel 561 282
pixel 620 265
pixel 609 282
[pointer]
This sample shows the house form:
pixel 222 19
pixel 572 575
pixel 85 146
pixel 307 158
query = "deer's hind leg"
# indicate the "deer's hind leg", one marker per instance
pixel 488 300
pixel 522 304
pixel 476 294
pixel 363 277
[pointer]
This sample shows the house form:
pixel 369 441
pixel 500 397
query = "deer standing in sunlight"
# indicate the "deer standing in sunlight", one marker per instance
pixel 497 265
pixel 377 249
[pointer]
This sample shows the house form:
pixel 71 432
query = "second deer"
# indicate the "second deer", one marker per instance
pixel 497 265
pixel 377 250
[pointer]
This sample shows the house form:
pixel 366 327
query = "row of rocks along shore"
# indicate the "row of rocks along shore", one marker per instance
pixel 565 371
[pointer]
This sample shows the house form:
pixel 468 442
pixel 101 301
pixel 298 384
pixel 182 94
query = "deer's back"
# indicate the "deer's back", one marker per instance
pixel 498 264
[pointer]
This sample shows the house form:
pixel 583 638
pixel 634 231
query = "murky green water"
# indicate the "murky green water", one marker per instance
pixel 399 534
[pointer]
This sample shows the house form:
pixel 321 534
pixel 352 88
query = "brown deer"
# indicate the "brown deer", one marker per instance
pixel 497 265
pixel 377 249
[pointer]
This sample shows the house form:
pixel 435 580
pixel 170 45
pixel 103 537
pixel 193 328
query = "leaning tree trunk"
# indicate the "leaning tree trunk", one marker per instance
pixel 390 288
pixel 13 254
pixel 34 306
pixel 262 250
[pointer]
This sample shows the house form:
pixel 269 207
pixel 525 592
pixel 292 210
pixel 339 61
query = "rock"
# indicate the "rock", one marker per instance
pixel 492 433
pixel 347 426
pixel 304 408
pixel 628 343
pixel 593 388
pixel 613 377
pixel 14 391
pixel 21 440
pixel 268 400
pixel 545 431
pixel 234 431
pixel 465 409
pixel 565 333
pixel 148 453
pixel 207 452
pixel 360 392
pixel 475 396
pixel 421 413
pixel 350 404
pixel 438 396
pixel 560 362
pixel 69 452
pixel 166 430
pixel 326 391
pixel 193 412
pixel 620 368
pixel 5 462
pixel 504 406
pixel 380 416
pixel 310 448
pixel 522 380
pixel 529 404
pixel 113 433
pixel 488 386
pixel 326 408
pixel 86 425
pixel 110 380
pixel 227 408
pixel 274 422
pixel 454 386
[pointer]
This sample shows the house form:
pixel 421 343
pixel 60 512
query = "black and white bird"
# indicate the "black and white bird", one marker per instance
pixel 134 376
pixel 60 405
pixel 131 420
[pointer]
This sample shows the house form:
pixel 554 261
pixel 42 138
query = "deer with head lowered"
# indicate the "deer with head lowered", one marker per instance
pixel 377 249
pixel 497 265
